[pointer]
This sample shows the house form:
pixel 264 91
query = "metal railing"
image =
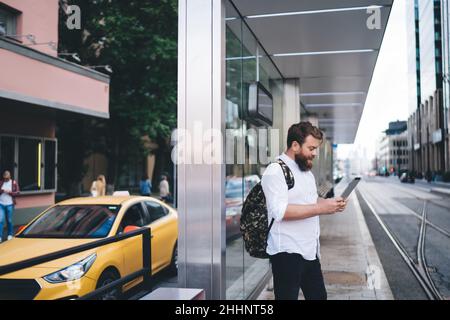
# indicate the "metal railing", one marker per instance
pixel 145 272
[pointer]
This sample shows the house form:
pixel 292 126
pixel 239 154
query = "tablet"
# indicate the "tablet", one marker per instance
pixel 350 187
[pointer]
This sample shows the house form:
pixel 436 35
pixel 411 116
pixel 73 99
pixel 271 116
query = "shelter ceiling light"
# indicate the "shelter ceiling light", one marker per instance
pixel 322 105
pixel 242 58
pixel 322 94
pixel 296 13
pixel 314 53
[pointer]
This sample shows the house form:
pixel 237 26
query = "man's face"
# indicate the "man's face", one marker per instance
pixel 305 154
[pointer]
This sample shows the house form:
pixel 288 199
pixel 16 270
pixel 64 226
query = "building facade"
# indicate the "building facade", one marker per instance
pixel 428 83
pixel 36 88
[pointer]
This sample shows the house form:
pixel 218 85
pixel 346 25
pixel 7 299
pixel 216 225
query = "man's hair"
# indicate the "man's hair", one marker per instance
pixel 299 131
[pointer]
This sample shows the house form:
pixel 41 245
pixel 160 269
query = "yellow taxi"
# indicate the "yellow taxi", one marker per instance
pixel 83 220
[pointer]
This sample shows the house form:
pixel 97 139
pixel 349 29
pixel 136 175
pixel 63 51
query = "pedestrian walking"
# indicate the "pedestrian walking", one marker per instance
pixel 98 187
pixel 293 242
pixel 9 190
pixel 164 191
pixel 145 186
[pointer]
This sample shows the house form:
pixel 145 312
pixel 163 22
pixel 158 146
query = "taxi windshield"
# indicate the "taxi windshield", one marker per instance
pixel 73 221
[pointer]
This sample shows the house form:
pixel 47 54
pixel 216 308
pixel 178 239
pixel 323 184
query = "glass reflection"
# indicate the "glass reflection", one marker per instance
pixel 246 64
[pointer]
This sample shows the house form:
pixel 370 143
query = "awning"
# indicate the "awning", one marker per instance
pixel 328 45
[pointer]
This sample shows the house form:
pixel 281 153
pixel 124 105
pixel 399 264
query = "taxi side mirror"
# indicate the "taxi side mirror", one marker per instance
pixel 20 229
pixel 130 229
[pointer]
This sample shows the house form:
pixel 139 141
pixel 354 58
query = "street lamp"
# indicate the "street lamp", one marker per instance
pixel 51 44
pixel 74 56
pixel 29 37
pixel 106 67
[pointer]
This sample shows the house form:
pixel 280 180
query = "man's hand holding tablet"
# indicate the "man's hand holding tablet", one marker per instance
pixel 338 204
pixel 332 205
pixel 351 186
pixel 343 199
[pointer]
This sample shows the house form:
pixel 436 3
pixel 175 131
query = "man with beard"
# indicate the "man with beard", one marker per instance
pixel 293 243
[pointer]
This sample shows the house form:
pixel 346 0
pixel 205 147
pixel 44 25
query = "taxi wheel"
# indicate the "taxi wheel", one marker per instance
pixel 106 278
pixel 173 267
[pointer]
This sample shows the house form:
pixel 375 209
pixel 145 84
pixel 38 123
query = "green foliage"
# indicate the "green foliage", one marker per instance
pixel 138 39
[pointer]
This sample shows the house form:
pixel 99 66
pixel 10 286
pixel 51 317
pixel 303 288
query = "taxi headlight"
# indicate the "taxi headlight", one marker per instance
pixel 72 272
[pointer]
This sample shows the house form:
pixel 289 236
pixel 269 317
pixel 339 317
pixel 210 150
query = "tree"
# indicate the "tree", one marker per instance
pixel 138 39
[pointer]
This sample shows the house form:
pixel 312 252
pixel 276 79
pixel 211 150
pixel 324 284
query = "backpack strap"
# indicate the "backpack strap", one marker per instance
pixel 289 176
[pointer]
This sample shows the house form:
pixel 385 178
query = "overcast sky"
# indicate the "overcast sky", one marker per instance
pixel 388 93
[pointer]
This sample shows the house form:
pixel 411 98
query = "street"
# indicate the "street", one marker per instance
pixel 411 235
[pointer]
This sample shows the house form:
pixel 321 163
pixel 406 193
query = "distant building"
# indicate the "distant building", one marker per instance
pixel 392 153
pixel 396 127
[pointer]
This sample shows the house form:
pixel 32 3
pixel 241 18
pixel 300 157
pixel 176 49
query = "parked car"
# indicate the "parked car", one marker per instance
pixel 80 221
pixel 372 173
pixel 236 190
pixel 407 177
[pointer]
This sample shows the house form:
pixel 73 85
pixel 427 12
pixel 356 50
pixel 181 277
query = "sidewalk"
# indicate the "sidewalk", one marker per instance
pixel 349 258
pixel 442 188
pixel 439 184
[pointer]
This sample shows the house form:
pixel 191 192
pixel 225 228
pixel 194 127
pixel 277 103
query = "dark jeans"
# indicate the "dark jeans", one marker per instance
pixel 291 272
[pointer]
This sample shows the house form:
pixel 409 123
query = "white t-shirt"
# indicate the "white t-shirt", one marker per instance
pixel 295 236
pixel 6 199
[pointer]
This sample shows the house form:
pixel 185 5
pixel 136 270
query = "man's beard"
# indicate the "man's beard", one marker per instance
pixel 305 164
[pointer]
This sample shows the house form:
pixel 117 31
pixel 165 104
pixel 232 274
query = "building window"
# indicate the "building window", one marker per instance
pixel 31 161
pixel 437 52
pixel 438 67
pixel 30 153
pixel 437 36
pixel 50 165
pixel 7 155
pixel 8 22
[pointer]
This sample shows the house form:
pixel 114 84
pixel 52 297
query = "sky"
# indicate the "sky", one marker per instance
pixel 387 99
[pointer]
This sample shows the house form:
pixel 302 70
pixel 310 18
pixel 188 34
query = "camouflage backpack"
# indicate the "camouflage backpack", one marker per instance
pixel 254 218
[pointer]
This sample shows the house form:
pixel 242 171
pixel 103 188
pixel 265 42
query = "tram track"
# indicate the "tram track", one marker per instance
pixel 420 216
pixel 419 270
